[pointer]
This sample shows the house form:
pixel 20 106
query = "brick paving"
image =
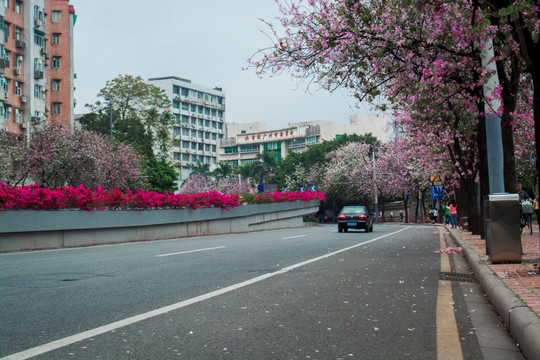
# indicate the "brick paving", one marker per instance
pixel 522 278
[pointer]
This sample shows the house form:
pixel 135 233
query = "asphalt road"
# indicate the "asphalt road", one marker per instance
pixel 296 293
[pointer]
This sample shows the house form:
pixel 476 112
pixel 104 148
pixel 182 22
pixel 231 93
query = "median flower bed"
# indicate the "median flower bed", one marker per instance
pixel 34 197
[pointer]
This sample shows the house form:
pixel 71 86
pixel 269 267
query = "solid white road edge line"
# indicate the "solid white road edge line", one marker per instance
pixel 191 251
pixel 38 350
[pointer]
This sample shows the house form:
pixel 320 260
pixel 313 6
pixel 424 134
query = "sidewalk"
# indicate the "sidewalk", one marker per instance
pixel 513 289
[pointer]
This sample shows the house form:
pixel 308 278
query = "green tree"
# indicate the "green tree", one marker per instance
pixel 223 169
pixel 199 168
pixel 316 155
pixel 161 175
pixel 141 115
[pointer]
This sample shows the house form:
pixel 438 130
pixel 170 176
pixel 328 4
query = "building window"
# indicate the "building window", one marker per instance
pixel 6 29
pixel 185 144
pixel 176 89
pixel 56 62
pixel 185 119
pixel 176 117
pixel 249 148
pixel 56 16
pixel 18 33
pixel 39 92
pixel 38 65
pixel 18 7
pixel 6 85
pixel 185 106
pixel 231 150
pixel 176 104
pixel 19 61
pixel 273 146
pixel 7 111
pixel 6 3
pixel 312 140
pixel 185 157
pixel 18 115
pixel 185 92
pixel 185 132
pixel 176 130
pixel 56 108
pixel 56 38
pixel 39 38
pixel 18 88
pixel 56 85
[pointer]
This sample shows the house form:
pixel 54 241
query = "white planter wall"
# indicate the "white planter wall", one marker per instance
pixel 32 230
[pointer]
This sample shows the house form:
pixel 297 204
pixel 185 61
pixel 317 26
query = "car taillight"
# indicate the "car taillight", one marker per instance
pixel 341 217
pixel 362 217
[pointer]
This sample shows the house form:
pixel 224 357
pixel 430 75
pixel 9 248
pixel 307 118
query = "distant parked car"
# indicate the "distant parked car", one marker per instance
pixel 356 217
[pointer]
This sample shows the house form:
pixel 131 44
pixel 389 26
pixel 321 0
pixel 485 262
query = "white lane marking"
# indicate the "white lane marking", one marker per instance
pixel 38 350
pixel 293 237
pixel 191 251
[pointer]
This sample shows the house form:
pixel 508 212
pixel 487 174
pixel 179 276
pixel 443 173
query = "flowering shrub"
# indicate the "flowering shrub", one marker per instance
pixel 34 197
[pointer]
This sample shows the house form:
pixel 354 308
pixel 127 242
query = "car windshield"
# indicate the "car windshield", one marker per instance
pixel 354 210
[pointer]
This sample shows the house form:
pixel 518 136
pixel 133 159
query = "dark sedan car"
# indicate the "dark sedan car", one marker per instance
pixel 356 217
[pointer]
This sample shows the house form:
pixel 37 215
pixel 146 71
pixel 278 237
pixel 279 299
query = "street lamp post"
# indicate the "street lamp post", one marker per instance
pixel 110 110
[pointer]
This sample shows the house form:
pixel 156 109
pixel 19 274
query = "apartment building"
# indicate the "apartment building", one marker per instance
pixel 199 114
pixel 36 64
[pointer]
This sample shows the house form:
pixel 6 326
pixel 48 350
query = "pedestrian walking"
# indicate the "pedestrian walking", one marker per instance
pixel 447 214
pixel 400 215
pixel 391 216
pixel 453 214
pixel 435 215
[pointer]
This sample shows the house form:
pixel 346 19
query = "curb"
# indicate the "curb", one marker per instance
pixel 520 320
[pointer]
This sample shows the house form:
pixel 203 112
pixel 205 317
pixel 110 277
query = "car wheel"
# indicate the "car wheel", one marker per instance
pixel 345 229
pixel 339 229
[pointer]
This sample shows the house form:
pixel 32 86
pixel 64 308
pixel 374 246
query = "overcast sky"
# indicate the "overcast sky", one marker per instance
pixel 205 41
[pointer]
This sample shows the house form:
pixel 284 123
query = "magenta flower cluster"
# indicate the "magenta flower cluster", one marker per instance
pixel 34 197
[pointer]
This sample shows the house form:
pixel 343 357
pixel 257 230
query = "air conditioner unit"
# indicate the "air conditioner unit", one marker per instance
pixel 38 74
pixel 23 99
pixel 23 125
pixel 35 119
pixel 47 108
pixel 38 23
pixel 47 56
pixel 20 44
pixel 17 71
pixel 42 51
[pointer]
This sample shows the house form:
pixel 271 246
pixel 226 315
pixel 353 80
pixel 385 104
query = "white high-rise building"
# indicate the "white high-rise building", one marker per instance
pixel 199 113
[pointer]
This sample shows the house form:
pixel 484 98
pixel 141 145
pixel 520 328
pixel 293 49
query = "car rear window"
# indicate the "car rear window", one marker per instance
pixel 354 209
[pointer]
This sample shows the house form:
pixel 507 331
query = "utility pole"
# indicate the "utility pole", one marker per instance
pixel 375 182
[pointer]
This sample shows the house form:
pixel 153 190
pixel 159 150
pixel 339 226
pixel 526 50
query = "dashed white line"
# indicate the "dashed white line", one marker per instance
pixel 293 237
pixel 191 251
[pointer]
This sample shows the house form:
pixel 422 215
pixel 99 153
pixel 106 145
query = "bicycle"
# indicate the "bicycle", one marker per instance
pixel 463 223
pixel 525 218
